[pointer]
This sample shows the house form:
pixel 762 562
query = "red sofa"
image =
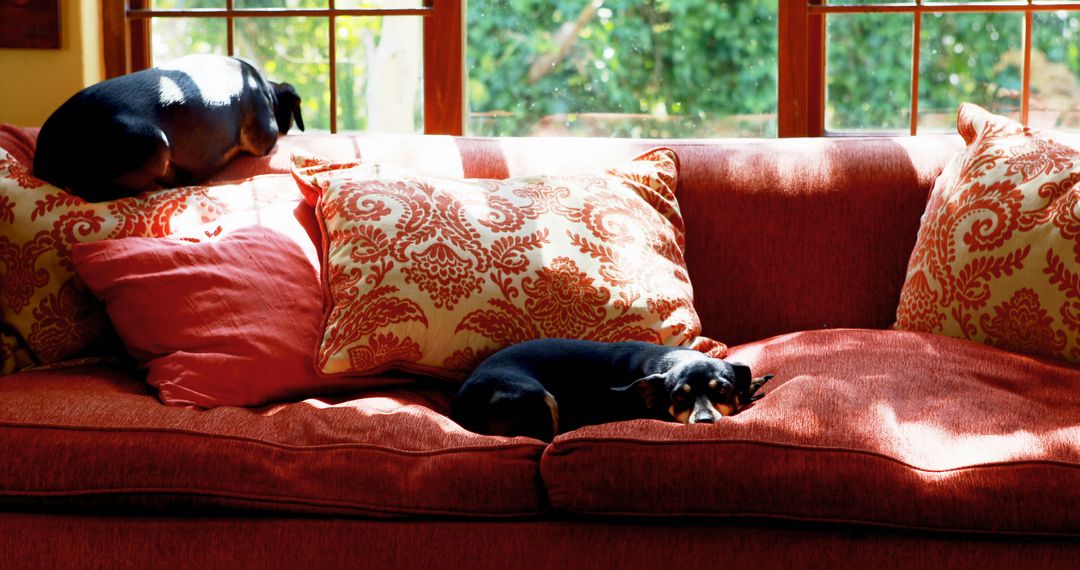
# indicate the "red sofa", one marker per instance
pixel 872 446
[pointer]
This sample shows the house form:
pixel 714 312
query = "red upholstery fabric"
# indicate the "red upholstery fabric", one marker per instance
pixel 225 322
pixel 877 427
pixel 73 435
pixel 798 235
pixel 36 541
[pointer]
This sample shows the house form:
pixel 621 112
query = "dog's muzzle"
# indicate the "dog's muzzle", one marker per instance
pixel 703 412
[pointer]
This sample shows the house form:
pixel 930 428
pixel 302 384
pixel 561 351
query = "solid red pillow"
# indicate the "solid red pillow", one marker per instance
pixel 232 321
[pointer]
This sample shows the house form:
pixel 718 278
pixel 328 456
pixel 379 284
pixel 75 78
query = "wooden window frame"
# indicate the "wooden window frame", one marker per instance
pixel 801 65
pixel 126 46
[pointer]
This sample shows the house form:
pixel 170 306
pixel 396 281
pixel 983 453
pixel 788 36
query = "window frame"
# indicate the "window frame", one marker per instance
pixel 801 53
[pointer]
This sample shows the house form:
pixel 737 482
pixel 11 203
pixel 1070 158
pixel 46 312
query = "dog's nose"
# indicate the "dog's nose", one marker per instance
pixel 703 418
pixel 703 412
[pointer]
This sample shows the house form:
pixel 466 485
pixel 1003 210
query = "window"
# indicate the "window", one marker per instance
pixel 343 56
pixel 905 66
pixel 639 68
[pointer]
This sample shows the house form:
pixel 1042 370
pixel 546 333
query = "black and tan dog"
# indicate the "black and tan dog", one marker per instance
pixel 166 126
pixel 545 387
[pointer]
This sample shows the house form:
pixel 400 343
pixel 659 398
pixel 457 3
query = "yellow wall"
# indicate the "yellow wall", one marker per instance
pixel 37 81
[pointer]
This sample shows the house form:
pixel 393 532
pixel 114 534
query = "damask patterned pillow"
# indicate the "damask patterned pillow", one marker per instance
pixel 998 254
pixel 432 275
pixel 47 314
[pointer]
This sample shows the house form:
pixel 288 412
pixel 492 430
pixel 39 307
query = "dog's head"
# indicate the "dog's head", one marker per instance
pixel 699 391
pixel 288 107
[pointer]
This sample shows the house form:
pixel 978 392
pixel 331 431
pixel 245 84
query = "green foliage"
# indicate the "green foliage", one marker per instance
pixel 1055 80
pixel 964 57
pixel 961 57
pixel 868 72
pixel 684 67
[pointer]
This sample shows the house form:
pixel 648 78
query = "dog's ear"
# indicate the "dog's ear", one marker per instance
pixel 746 386
pixel 288 107
pixel 742 380
pixel 647 388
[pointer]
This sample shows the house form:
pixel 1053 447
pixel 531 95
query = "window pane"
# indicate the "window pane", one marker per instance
pixel 350 4
pixel 869 72
pixel 969 57
pixel 186 4
pixel 347 4
pixel 293 50
pixel 280 4
pixel 175 37
pixel 636 68
pixel 379 74
pixel 866 2
pixel 1055 70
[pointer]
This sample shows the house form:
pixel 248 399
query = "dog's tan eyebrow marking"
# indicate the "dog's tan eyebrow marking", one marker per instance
pixel 713 383
pixel 686 388
pixel 725 409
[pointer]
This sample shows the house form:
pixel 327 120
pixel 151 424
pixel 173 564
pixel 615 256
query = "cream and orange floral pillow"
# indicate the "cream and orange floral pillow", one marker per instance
pixel 47 314
pixel 998 254
pixel 432 275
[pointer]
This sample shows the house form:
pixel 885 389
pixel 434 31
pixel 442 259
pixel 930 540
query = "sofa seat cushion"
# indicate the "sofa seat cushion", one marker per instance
pixel 886 428
pixel 92 435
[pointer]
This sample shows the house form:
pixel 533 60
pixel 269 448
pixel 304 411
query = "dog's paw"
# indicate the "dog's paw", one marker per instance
pixel 756 384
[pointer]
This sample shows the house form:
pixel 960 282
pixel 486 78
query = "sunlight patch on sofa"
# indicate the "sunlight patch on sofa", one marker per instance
pixel 929 446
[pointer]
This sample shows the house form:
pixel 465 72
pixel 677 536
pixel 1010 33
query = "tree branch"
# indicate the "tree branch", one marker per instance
pixel 564 40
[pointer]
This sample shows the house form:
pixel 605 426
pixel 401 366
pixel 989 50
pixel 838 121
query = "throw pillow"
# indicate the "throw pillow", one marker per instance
pixel 998 254
pixel 432 275
pixel 48 315
pixel 229 320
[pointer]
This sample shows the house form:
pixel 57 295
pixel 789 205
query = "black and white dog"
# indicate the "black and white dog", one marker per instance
pixel 544 387
pixel 165 126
